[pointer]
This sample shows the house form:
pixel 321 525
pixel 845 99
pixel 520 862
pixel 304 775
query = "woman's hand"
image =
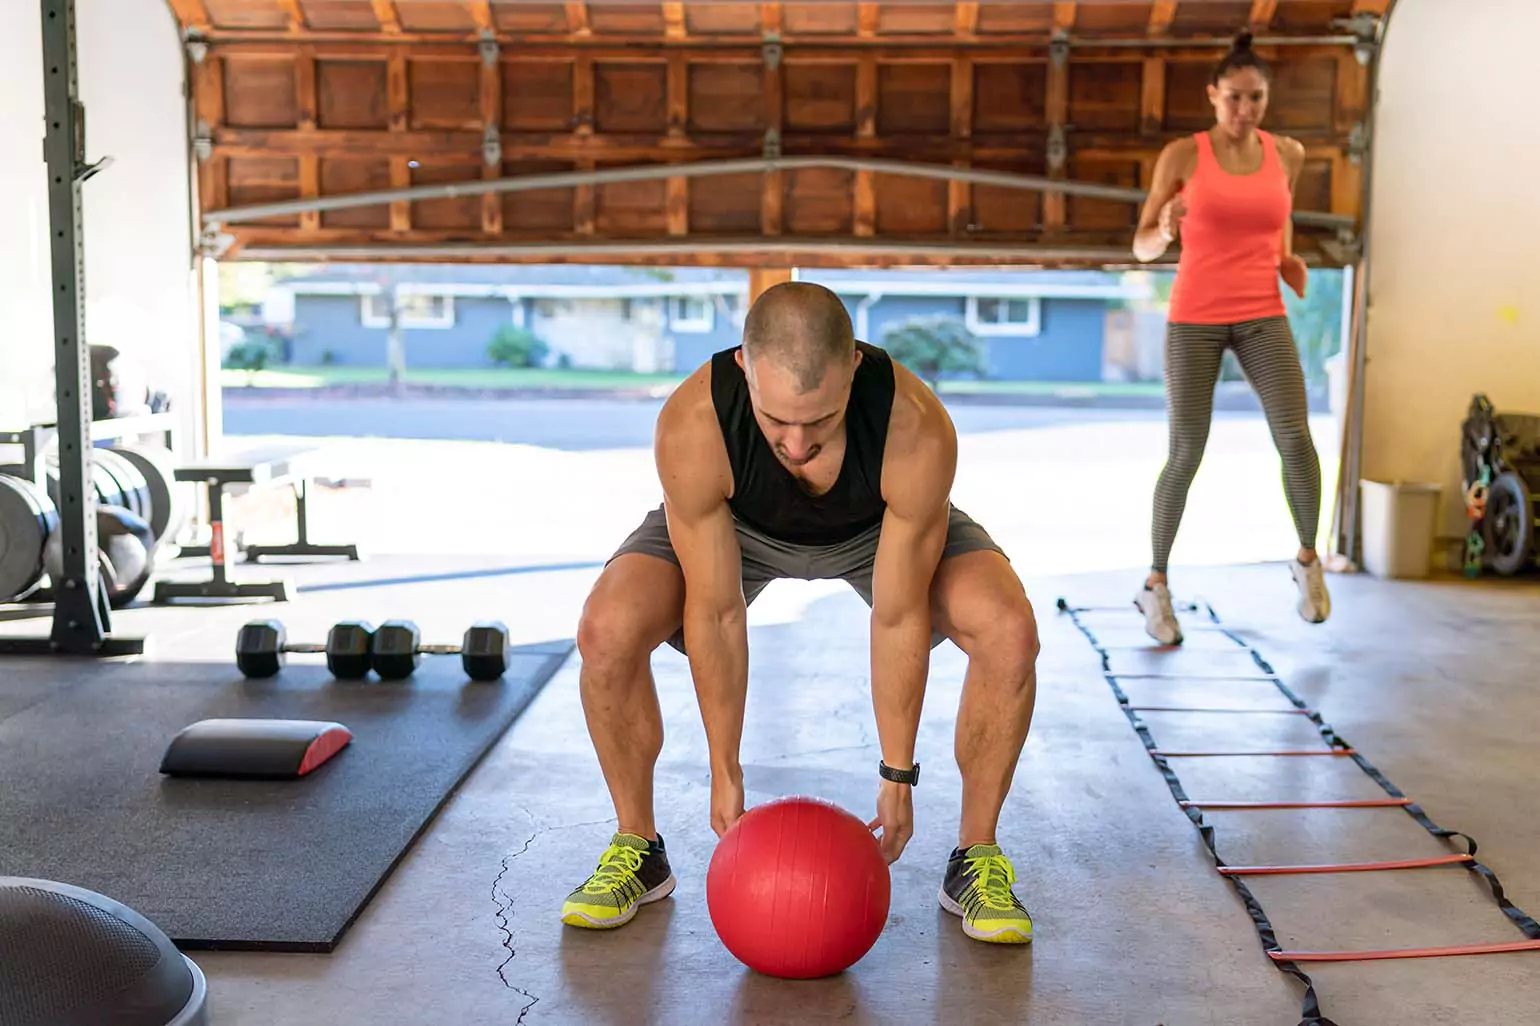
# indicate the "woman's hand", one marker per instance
pixel 1171 217
pixel 1294 274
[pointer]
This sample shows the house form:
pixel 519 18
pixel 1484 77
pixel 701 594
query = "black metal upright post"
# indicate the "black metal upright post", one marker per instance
pixel 81 619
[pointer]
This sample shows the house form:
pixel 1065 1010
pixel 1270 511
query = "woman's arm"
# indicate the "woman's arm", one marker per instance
pixel 1158 225
pixel 1290 267
pixel 1293 153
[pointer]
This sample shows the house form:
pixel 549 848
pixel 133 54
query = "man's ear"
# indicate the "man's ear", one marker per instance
pixel 738 355
pixel 857 362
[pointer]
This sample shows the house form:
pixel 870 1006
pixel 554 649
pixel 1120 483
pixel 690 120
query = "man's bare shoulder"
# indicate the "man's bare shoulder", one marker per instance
pixel 687 443
pixel 920 459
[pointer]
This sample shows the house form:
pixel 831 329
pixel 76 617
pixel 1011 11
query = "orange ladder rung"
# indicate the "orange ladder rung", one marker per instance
pixel 1192 676
pixel 1281 754
pixel 1360 956
pixel 1361 803
pixel 1346 867
pixel 1238 712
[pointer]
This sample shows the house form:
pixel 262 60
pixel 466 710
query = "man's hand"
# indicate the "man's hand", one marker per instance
pixel 1294 273
pixel 726 800
pixel 895 815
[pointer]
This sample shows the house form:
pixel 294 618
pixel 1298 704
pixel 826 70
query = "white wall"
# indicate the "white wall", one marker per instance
pixel 26 382
pixel 139 274
pixel 1454 303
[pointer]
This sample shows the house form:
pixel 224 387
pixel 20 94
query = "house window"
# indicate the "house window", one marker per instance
pixel 1001 315
pixel 692 314
pixel 417 311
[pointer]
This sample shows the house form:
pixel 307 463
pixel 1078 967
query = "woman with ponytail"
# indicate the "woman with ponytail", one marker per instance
pixel 1228 194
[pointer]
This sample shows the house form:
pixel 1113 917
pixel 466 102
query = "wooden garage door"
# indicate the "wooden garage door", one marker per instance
pixel 314 99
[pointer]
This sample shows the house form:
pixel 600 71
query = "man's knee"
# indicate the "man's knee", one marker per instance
pixel 1014 639
pixel 614 629
pixel 1006 636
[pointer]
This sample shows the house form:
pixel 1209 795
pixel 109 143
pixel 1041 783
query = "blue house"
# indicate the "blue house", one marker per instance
pixel 1032 325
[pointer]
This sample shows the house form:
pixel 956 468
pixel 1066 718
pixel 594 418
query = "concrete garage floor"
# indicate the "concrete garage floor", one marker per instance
pixel 1432 681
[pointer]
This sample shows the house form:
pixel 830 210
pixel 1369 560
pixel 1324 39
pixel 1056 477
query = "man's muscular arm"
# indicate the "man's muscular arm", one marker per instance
pixel 918 468
pixel 692 466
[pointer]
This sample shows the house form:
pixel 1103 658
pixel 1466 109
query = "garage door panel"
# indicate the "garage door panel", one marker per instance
pixel 445 94
pixel 342 175
pixel 1106 97
pixel 537 209
pixel 1103 214
pixel 434 16
pixel 451 212
pixel 335 15
pixel 243 14
pixel 251 180
pixel 537 19
pixel 1010 98
pixel 537 95
pixel 630 97
pixel 833 19
pixel 820 98
pixel 709 19
pixel 317 98
pixel 260 92
pixel 728 205
pixel 819 201
pixel 352 94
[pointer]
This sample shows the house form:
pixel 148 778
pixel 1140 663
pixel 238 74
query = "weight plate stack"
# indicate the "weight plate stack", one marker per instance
pixel 169 499
pixel 27 518
pixel 132 485
pixel 108 491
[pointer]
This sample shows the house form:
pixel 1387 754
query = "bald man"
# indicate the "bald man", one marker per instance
pixel 805 454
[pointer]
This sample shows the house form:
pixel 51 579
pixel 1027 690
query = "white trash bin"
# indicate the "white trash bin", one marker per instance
pixel 1399 520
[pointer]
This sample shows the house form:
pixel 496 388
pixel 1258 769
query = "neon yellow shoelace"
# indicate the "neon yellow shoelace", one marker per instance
pixel 616 872
pixel 992 880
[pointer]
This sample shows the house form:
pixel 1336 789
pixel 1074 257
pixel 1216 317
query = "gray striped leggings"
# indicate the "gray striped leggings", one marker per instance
pixel 1265 349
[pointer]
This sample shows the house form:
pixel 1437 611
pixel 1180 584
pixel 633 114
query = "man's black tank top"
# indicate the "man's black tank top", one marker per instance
pixel 766 495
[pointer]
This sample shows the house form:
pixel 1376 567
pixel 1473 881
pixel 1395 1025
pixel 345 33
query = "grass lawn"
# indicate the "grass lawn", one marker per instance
pixel 545 378
pixel 470 377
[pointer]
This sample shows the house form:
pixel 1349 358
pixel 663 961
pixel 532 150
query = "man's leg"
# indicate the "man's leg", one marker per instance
pixel 978 602
pixel 635 606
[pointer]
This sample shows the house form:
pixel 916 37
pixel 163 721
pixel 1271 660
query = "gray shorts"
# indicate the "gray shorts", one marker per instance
pixel 767 559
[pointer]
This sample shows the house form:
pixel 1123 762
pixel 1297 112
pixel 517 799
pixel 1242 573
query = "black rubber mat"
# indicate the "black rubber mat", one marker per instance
pixel 228 864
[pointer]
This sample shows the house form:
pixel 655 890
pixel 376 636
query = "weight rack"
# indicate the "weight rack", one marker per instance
pixel 82 618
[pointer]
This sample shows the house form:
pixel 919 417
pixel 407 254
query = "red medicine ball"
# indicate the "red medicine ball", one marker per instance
pixel 798 888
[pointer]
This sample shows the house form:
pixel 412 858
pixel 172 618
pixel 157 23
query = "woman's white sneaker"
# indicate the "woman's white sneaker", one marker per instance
pixel 1159 618
pixel 1314 600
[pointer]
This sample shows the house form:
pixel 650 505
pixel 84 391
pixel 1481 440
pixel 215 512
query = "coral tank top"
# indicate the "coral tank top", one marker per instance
pixel 1232 239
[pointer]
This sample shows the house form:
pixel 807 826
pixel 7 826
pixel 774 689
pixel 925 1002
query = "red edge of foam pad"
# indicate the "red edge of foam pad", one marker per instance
pixel 329 743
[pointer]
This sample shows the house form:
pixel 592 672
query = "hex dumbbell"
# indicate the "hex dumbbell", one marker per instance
pixel 261 645
pixel 397 650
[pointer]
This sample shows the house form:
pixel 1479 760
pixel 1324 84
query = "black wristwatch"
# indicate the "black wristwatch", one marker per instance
pixel 908 776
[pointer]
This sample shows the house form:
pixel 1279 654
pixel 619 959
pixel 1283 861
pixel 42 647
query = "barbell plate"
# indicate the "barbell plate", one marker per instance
pixel 168 496
pixel 131 483
pixel 22 536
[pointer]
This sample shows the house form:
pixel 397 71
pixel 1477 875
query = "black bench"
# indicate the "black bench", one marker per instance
pixel 262 467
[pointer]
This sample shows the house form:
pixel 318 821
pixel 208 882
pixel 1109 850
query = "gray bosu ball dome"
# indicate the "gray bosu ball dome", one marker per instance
pixel 71 957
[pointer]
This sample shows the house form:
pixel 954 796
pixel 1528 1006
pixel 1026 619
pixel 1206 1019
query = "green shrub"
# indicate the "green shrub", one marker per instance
pixel 513 346
pixel 934 345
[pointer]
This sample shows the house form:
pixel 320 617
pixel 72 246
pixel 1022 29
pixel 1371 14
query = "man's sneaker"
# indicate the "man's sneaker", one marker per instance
pixel 1314 601
pixel 978 888
pixel 1159 618
pixel 632 872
